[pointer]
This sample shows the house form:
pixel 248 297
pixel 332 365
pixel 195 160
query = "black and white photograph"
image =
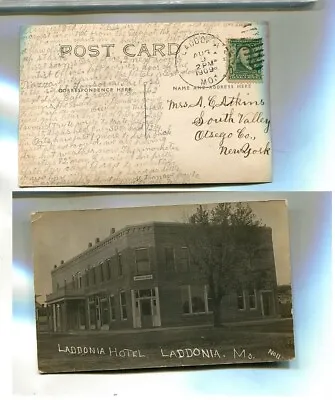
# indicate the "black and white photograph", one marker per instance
pixel 170 286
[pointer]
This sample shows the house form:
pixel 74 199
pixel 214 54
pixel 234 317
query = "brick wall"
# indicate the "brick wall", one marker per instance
pixel 124 242
pixel 157 237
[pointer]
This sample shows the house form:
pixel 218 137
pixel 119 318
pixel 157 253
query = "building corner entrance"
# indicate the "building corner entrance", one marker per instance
pixel 146 309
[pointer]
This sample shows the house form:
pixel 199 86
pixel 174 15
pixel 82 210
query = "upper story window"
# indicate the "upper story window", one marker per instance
pixel 184 259
pixel 169 259
pixel 108 265
pixel 94 277
pixel 142 261
pixel 87 282
pixel 119 264
pixel 101 271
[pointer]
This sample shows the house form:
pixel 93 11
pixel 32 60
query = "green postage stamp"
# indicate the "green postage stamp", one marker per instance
pixel 246 57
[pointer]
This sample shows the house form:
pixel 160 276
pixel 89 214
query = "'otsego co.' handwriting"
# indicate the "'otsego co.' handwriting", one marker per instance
pixel 235 123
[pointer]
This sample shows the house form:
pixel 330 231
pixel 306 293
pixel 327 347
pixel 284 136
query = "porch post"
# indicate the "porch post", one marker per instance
pixel 109 310
pixel 158 308
pixel 54 317
pixel 48 316
pixel 64 316
pixel 78 325
pixel 88 314
pixel 133 308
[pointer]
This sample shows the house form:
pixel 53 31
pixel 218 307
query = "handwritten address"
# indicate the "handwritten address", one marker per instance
pixel 235 124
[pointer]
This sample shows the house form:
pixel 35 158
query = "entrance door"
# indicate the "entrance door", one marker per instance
pixel 145 306
pixel 146 313
pixel 81 316
pixel 267 303
pixel 98 317
pixel 92 316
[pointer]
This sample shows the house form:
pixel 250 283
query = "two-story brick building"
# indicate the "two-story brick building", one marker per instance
pixel 142 277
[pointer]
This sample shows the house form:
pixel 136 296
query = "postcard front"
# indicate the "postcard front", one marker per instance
pixel 172 286
pixel 143 104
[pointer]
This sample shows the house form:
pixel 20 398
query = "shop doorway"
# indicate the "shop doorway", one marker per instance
pixel 146 313
pixel 267 303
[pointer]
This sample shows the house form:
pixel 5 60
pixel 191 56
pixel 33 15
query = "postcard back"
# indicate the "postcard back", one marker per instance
pixel 144 104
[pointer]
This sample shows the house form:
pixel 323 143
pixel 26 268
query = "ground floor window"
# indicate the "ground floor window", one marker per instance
pixel 92 313
pixel 104 310
pixel 82 314
pixel 241 300
pixel 112 307
pixel 196 299
pixel 247 297
pixel 252 298
pixel 123 305
pixel 209 299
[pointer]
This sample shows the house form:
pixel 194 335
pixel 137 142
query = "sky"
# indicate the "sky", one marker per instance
pixel 61 235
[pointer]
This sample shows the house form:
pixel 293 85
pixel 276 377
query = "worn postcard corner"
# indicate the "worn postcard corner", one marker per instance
pixel 35 216
pixel 172 286
pixel 41 372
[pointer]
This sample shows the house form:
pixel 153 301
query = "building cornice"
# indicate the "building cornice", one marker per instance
pixel 128 229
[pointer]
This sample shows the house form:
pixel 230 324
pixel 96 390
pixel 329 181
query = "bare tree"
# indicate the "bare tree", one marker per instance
pixel 224 243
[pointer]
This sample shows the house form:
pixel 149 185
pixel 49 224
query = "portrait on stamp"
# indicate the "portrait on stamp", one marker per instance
pixel 243 59
pixel 144 104
pixel 154 287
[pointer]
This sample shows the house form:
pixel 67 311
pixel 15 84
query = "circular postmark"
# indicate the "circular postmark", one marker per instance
pixel 201 60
